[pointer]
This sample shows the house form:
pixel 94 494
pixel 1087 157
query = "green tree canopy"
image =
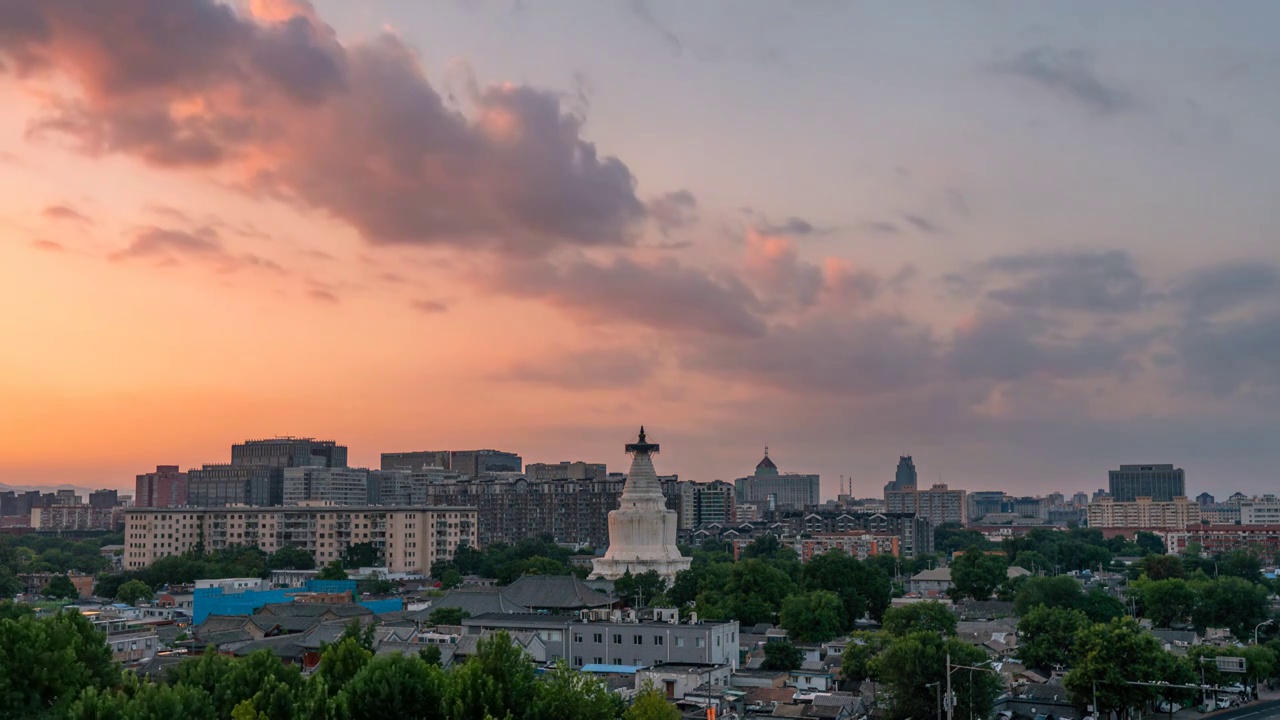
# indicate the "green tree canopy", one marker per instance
pixel 1162 567
pixel 931 617
pixel 857 664
pixel 61 587
pixel 651 704
pixel 499 681
pixel 976 574
pixel 1101 606
pixel 1230 602
pixel 566 694
pixel 1058 591
pixel 647 588
pixel 361 555
pixel 1165 602
pixel 291 558
pixel 863 588
pixel 1047 636
pixel 912 662
pixel 817 616
pixel 394 686
pixel 447 616
pixel 782 655
pixel 1108 657
pixel 46 663
pixel 134 592
pixel 332 571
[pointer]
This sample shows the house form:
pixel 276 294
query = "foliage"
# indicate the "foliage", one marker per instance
pixel 61 587
pixel 1032 561
pixel 498 681
pixel 45 663
pixel 1164 602
pixel 10 610
pixel 813 617
pixel 508 562
pixel 931 617
pixel 647 588
pixel 782 655
pixel 431 655
pixel 1058 591
pixel 1149 542
pixel 1110 655
pixel 950 538
pixel 291 558
pixel 9 585
pixel 359 555
pixel 912 662
pixel 448 616
pixel 976 574
pixel 375 584
pixel 753 594
pixel 332 571
pixel 1162 567
pixel 394 686
pixel 1101 606
pixel 53 554
pixel 565 694
pixel 857 664
pixel 133 592
pixel 1047 635
pixel 1230 602
pixel 651 704
pixel 341 661
pixel 863 588
pixel 362 633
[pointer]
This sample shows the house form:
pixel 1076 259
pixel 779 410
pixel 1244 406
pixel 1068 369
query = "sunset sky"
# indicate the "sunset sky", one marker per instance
pixel 1022 242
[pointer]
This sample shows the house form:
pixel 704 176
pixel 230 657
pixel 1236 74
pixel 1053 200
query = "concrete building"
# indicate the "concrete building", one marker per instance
pixel 1144 512
pixel 335 486
pixel 1161 483
pixel 860 545
pixel 75 517
pixel 474 463
pixel 513 508
pixel 410 539
pixel 1263 511
pixel 905 476
pixel 938 504
pixel 984 502
pixel 565 470
pixel 1205 499
pixel 285 452
pixel 415 460
pixel 604 637
pixel 103 499
pixel 1221 539
pixel 914 533
pixel 642 531
pixel 66 497
pixel 782 491
pixel 222 485
pixel 166 487
pixel 697 504
pixel 677 679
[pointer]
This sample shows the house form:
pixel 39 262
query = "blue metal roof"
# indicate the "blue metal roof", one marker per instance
pixel 618 669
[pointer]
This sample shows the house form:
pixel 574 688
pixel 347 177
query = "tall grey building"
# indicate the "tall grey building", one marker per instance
pixel 222 485
pixel 415 460
pixel 474 463
pixel 338 486
pixel 285 452
pixel 565 471
pixel 905 476
pixel 1161 483
pixel 783 491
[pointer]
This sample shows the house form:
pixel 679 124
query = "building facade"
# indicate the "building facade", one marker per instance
pixel 697 504
pixel 905 476
pixel 781 491
pixel 166 487
pixel 474 463
pixel 938 504
pixel 222 485
pixel 336 486
pixel 415 460
pixel 1176 514
pixel 410 539
pixel 914 533
pixel 854 544
pixel 75 517
pixel 104 499
pixel 283 452
pixel 1265 511
pixel 1161 483
pixel 565 471
pixel 1222 539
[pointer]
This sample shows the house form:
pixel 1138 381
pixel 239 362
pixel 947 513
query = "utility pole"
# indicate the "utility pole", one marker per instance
pixel 950 700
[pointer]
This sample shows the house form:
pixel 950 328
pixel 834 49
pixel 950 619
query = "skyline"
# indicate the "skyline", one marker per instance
pixel 1023 244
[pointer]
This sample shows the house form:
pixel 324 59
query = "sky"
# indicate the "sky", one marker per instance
pixel 1024 243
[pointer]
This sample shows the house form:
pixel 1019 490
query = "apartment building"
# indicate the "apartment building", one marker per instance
pixel 75 517
pixel 1221 539
pixel 511 509
pixel 937 504
pixel 411 539
pixel 779 490
pixel 337 486
pixel 1176 514
pixel 860 545
pixel 914 533
pixel 1264 511
pixel 1161 483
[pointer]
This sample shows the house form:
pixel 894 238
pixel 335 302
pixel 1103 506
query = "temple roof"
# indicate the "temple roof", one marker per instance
pixel 766 464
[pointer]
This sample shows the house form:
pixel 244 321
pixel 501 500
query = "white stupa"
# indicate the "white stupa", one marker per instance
pixel 642 531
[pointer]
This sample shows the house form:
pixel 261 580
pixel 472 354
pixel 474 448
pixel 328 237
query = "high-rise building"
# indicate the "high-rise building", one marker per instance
pixel 102 499
pixel 905 476
pixel 1161 483
pixel 984 502
pixel 221 485
pixel 410 539
pixel 66 497
pixel 283 452
pixel 510 509
pixel 166 487
pixel 416 460
pixel 697 504
pixel 938 504
pixel 474 463
pixel 1080 501
pixel 75 517
pixel 565 471
pixel 336 486
pixel 1262 511
pixel 1175 514
pixel 782 491
pixel 1205 499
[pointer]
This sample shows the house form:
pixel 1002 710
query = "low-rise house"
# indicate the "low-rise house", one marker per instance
pixel 813 675
pixel 678 679
pixel 1176 641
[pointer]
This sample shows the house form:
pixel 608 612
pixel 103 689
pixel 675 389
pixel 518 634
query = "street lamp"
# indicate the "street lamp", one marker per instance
pixel 938 694
pixel 1255 630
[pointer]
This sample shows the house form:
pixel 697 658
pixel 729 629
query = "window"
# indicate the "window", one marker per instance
pixel 599 661
pixel 679 641
pixel 577 661
pixel 617 638
pixel 597 638
pixel 701 642
pixel 577 637
pixel 637 640
pixel 658 639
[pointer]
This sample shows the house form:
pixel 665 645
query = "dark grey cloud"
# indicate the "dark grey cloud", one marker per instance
pixel 674 211
pixel 793 226
pixel 921 223
pixel 355 130
pixel 1211 290
pixel 883 227
pixel 1239 355
pixel 641 11
pixel 1100 282
pixel 663 296
pixel 65 212
pixel 1068 74
pixel 1010 346
pixel 429 307
pixel 587 370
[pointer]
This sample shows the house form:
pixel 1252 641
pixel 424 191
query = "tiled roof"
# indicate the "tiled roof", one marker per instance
pixel 562 592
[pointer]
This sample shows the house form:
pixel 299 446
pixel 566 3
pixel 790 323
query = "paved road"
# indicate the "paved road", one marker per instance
pixel 1254 711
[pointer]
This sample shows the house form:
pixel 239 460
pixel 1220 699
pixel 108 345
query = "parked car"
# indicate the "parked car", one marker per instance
pixel 1167 706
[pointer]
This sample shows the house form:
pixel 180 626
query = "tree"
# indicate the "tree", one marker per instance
pixel 931 617
pixel 1243 564
pixel 447 616
pixel 362 633
pixel 976 574
pixel 1108 657
pixel 332 571
pixel 450 579
pixel 813 617
pixel 857 664
pixel 431 655
pixel 647 588
pixel 651 704
pixel 1230 602
pixel 1163 567
pixel 1101 606
pixel 782 655
pixel 565 694
pixel 1059 591
pixel 291 558
pixel 46 663
pixel 498 681
pixel 912 662
pixel 863 588
pixel 1047 634
pixel 361 555
pixel 1165 602
pixel 755 591
pixel 1149 542
pixel 133 592
pixel 375 584
pixel 953 537
pixel 9 584
pixel 341 661
pixel 395 686
pixel 61 587
pixel 1032 561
